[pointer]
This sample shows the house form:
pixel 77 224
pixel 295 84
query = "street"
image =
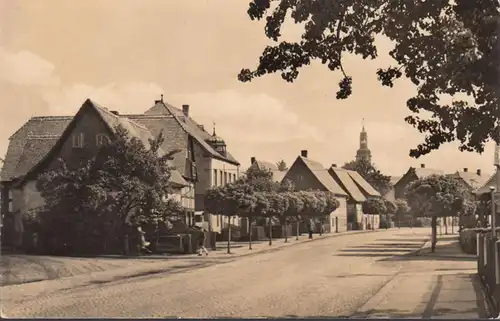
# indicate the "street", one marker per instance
pixel 330 277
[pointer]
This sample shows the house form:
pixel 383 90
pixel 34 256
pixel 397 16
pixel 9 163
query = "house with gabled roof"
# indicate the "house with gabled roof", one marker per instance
pixel 390 194
pixel 215 164
pixel 259 164
pixel 411 175
pixel 358 190
pixel 471 180
pixel 42 141
pixel 307 174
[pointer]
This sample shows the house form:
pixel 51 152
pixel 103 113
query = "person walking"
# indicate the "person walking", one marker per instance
pixel 201 243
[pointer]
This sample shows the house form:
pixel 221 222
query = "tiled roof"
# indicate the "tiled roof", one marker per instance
pixel 323 176
pixel 347 183
pixel 277 174
pixel 192 128
pixel 472 179
pixel 425 172
pixel 44 130
pixel 268 165
pixel 485 188
pixel 361 182
pixel 32 143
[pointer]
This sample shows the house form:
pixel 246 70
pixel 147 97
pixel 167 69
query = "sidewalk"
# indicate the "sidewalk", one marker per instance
pixel 440 285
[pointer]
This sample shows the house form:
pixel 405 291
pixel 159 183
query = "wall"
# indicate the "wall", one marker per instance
pixel 400 187
pixel 90 124
pixel 390 195
pixel 31 198
pixel 302 177
pixel 206 166
pixel 341 214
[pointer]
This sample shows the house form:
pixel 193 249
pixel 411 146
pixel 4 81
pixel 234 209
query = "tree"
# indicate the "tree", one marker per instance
pixel 402 210
pixel 260 209
pixel 278 204
pixel 390 210
pixel 281 166
pixel 310 207
pixel 436 196
pixel 295 207
pixel 443 47
pixel 379 181
pixel 229 200
pixel 107 195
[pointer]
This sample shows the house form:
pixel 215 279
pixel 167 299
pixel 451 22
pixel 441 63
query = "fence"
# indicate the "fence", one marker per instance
pixel 488 264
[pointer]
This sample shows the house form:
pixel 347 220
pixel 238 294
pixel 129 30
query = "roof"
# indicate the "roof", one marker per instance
pixel 346 181
pixel 472 179
pixel 277 174
pixel 43 130
pixel 363 184
pixel 485 188
pixel 425 172
pixel 323 176
pixel 34 142
pixel 192 128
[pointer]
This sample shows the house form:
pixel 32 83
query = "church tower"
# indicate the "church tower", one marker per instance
pixel 363 152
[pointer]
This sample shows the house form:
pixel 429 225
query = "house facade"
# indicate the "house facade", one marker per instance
pixel 307 174
pixel 358 190
pixel 42 141
pixel 390 195
pixel 215 166
pixel 411 175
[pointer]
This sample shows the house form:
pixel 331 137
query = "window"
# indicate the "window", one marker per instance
pixel 225 178
pixel 215 177
pixel 101 139
pixel 78 140
pixel 234 177
pixel 221 178
pixel 11 207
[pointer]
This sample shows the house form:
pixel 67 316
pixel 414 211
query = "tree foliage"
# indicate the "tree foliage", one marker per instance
pixel 124 184
pixel 374 206
pixel 437 195
pixel 444 47
pixel 379 181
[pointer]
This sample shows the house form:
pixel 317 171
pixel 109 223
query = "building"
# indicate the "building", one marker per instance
pixel 471 180
pixel 258 164
pixel 214 163
pixel 390 194
pixel 363 153
pixel 358 190
pixel 307 174
pixel 35 147
pixel 412 175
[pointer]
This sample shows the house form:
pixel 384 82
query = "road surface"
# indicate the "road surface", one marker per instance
pixel 331 277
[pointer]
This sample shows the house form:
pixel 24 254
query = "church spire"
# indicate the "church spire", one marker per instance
pixel 363 152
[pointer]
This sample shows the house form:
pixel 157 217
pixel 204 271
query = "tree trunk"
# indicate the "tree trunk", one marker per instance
pixel 298 230
pixel 286 231
pixel 229 235
pixel 446 225
pixel 249 234
pixel 270 231
pixel 320 227
pixel 433 234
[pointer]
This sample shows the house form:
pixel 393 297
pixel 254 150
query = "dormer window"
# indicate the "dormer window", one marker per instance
pixel 77 140
pixel 101 139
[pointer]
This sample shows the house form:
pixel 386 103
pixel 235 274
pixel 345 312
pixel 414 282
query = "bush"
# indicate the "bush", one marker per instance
pixel 468 240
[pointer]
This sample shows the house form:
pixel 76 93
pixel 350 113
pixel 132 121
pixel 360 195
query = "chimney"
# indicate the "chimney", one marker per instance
pixel 466 169
pixel 334 165
pixel 159 101
pixel 115 112
pixel 303 153
pixel 252 160
pixel 185 110
pixel 422 165
pixel 201 127
pixel 478 172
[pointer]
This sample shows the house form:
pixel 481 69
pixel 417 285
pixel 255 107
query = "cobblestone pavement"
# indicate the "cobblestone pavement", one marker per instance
pixel 332 276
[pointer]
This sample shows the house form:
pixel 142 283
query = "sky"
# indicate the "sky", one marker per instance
pixel 124 54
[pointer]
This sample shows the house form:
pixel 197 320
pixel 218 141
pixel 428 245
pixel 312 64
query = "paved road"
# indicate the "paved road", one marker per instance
pixel 328 277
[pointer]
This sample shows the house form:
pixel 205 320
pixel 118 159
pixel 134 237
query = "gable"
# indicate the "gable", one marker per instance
pixel 342 177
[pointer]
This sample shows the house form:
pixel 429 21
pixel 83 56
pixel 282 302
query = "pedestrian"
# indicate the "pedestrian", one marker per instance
pixel 201 243
pixel 143 244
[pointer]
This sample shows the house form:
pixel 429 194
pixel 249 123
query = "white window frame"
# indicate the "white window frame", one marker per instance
pixel 10 204
pixel 101 139
pixel 77 140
